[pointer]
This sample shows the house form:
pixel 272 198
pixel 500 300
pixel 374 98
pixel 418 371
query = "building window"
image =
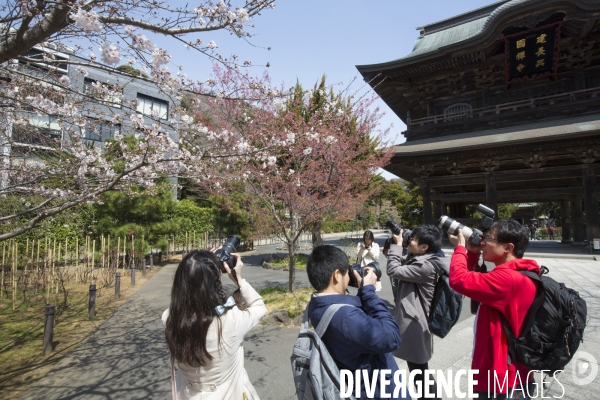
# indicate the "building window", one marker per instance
pixel 152 106
pixel 41 130
pixel 104 93
pixel 458 111
pixel 99 131
pixel 38 53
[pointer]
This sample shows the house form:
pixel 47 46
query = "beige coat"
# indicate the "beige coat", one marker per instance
pixel 225 377
pixel 415 274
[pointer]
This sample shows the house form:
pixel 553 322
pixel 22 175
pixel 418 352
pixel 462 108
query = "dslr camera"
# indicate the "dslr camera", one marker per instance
pixel 473 236
pixel 224 254
pixel 396 229
pixel 361 271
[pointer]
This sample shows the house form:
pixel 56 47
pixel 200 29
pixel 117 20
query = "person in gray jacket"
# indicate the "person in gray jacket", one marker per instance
pixel 417 278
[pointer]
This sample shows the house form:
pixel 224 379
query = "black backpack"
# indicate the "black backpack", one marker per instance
pixel 446 304
pixel 553 326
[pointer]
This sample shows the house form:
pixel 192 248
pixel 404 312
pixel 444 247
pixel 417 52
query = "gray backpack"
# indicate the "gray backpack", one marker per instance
pixel 316 376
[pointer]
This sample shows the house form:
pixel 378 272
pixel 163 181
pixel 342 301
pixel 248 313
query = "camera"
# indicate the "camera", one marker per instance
pixel 474 236
pixel 361 271
pixel 394 227
pixel 406 238
pixel 224 253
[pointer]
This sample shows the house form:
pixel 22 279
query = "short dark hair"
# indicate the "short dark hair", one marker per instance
pixel 510 231
pixel 368 235
pixel 430 235
pixel 322 263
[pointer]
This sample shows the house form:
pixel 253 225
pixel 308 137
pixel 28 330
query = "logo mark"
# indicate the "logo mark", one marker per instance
pixel 585 368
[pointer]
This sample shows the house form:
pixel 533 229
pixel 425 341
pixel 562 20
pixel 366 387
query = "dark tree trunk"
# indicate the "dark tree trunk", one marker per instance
pixel 317 239
pixel 292 266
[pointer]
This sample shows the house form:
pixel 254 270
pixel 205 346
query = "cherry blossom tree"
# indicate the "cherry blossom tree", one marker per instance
pixel 51 173
pixel 298 166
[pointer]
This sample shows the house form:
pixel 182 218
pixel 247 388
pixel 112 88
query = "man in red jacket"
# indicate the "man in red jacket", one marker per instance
pixel 503 290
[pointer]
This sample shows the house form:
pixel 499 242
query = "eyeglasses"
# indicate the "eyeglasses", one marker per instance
pixel 490 239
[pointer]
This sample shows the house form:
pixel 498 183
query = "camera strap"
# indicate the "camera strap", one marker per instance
pixel 234 274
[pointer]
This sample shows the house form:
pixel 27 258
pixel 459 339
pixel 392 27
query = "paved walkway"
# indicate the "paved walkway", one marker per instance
pixel 126 358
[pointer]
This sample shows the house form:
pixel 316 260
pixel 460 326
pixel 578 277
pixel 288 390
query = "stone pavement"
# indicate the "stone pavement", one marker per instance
pixel 126 358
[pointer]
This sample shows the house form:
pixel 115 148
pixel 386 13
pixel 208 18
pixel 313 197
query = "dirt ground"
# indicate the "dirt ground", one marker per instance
pixel 22 330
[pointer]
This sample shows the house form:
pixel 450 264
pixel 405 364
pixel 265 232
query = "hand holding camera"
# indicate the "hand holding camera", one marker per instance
pixel 358 274
pixel 235 273
pixel 370 278
pixel 460 240
pixel 232 262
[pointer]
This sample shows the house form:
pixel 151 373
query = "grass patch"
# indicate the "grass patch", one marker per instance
pixel 22 330
pixel 278 298
pixel 301 260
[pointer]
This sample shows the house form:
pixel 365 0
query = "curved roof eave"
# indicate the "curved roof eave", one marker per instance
pixel 416 56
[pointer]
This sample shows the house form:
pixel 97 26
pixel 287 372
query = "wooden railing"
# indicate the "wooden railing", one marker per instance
pixel 578 95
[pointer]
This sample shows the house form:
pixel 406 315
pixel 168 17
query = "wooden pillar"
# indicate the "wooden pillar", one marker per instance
pixel 426 190
pixel 491 195
pixel 577 218
pixel 565 221
pixel 590 199
pixel 438 210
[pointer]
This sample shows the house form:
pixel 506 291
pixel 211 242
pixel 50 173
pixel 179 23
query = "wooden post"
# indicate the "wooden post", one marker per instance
pixel 37 264
pixel 124 251
pixel 590 200
pixel 49 329
pixel 118 285
pixel 426 191
pixel 93 254
pixel 132 274
pixel 48 279
pixel 92 302
pixel 3 259
pixel 14 276
pixel 133 249
pixel 118 251
pixel 144 266
pixel 53 256
pixel 77 252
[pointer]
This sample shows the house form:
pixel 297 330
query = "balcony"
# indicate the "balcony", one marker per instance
pixel 556 106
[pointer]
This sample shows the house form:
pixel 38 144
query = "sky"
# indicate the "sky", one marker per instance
pixel 309 38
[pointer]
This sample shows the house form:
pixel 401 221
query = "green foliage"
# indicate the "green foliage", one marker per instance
pixel 128 69
pixel 407 199
pixel 300 261
pixel 155 217
pixel 549 208
pixel 337 226
pixel 505 210
pixel 269 290
pixel 72 224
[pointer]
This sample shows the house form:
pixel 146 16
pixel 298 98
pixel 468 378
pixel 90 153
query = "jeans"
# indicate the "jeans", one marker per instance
pixel 517 394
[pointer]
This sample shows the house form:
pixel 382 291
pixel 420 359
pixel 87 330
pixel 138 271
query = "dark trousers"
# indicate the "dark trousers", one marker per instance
pixel 421 378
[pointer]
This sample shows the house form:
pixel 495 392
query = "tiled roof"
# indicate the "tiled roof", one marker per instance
pixel 436 40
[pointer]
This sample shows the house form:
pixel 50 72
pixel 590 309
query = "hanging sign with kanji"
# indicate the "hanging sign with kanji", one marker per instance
pixel 532 54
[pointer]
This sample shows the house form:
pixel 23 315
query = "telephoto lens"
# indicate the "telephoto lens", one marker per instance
pixel 394 227
pixel 449 225
pixel 224 253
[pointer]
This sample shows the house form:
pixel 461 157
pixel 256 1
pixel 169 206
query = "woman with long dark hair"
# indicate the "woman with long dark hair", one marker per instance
pixel 205 329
